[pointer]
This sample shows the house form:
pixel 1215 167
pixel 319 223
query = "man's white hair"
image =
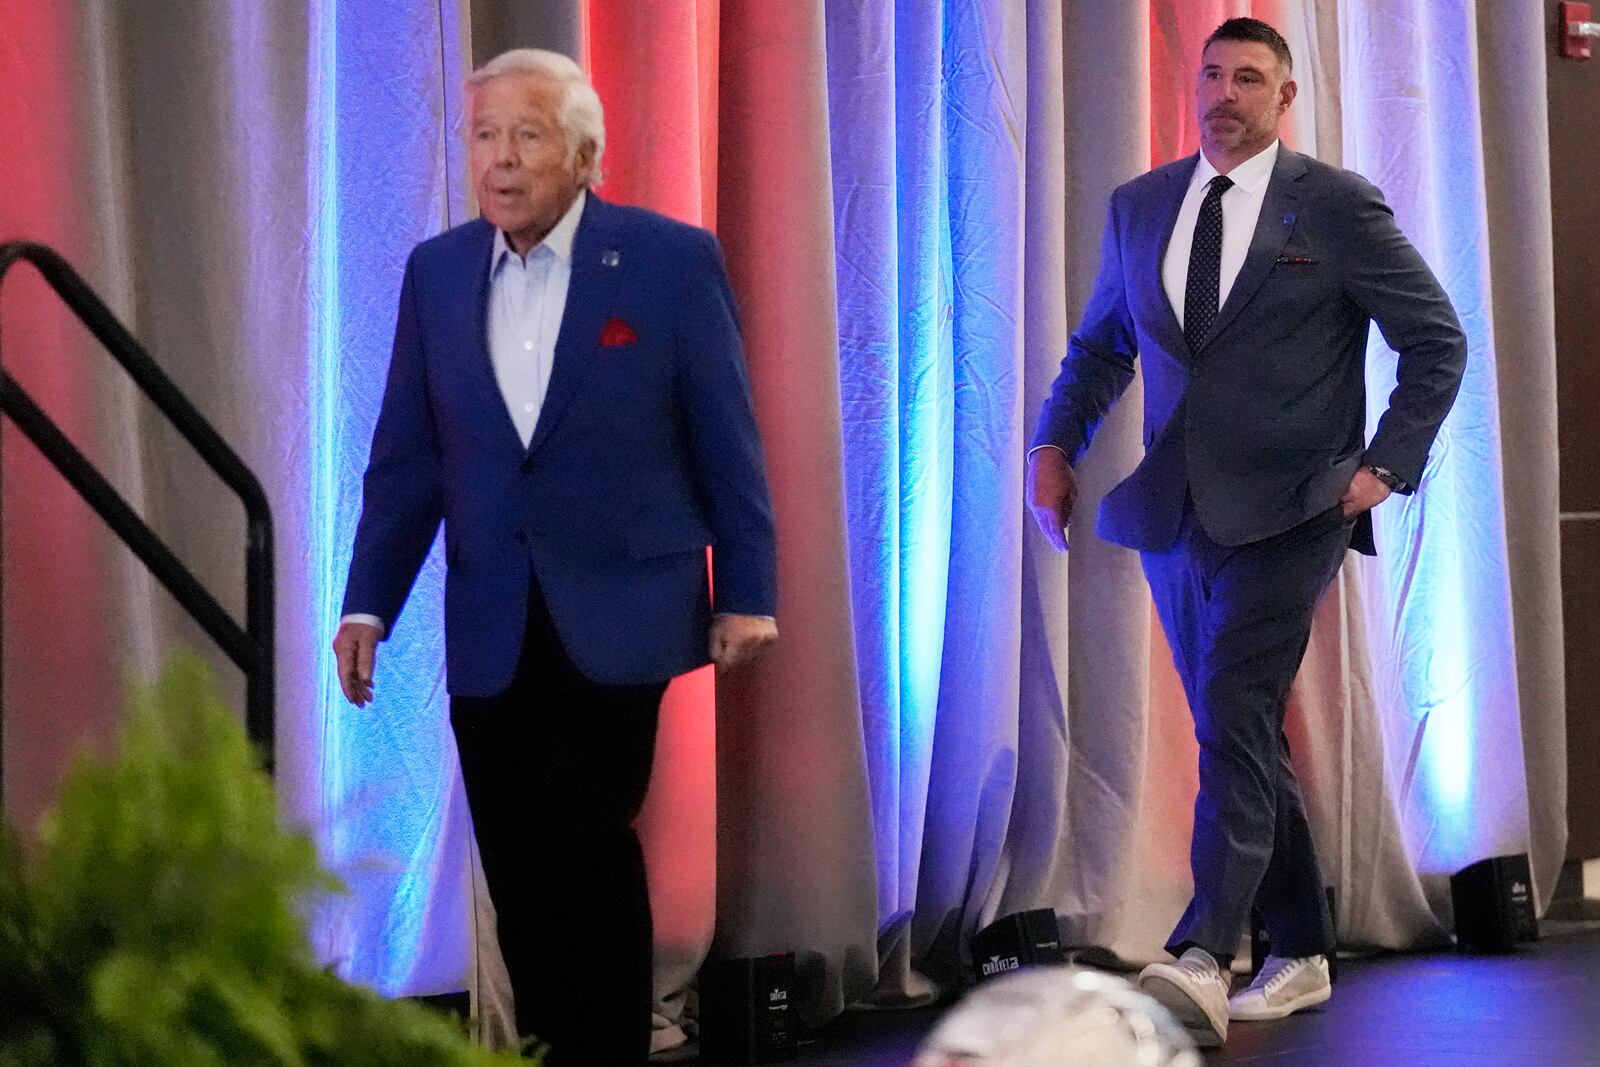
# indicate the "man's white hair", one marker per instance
pixel 579 115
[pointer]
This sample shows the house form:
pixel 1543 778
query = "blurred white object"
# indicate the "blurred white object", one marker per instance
pixel 1057 1017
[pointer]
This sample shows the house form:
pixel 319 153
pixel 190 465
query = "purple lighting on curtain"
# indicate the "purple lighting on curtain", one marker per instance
pixel 893 262
pixel 928 231
pixel 377 186
pixel 974 755
pixel 322 174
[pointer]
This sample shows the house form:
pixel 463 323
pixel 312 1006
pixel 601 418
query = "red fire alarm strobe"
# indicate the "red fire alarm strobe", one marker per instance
pixel 1577 30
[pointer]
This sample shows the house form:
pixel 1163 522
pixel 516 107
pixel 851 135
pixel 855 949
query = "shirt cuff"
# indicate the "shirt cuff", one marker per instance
pixel 1058 448
pixel 725 614
pixel 370 620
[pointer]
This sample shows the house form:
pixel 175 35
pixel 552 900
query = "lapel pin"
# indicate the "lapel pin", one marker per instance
pixel 1288 220
pixel 610 258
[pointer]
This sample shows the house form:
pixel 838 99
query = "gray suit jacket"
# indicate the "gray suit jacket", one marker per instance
pixel 1264 424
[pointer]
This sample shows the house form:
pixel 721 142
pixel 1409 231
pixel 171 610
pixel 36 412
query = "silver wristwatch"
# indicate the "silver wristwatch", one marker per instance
pixel 1386 476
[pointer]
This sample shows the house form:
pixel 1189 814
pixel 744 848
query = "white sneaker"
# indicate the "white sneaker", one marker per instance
pixel 1283 987
pixel 1195 991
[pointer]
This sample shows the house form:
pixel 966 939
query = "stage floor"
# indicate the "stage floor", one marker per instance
pixel 1537 1008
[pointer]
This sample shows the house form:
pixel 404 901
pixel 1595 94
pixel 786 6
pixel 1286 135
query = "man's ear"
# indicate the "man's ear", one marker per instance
pixel 1286 95
pixel 583 165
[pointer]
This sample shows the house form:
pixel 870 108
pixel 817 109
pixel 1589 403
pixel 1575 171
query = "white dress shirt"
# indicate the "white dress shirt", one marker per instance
pixel 527 295
pixel 1241 207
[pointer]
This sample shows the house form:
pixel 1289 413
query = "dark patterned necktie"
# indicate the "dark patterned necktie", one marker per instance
pixel 1205 265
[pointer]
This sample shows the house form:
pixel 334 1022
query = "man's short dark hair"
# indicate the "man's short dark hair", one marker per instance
pixel 1256 32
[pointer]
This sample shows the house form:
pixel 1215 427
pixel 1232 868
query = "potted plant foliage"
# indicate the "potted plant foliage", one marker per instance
pixel 161 918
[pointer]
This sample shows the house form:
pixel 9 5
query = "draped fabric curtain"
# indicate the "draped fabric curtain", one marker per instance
pixel 957 723
pixel 56 365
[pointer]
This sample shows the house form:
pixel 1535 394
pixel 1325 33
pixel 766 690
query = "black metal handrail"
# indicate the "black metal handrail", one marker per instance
pixel 250 647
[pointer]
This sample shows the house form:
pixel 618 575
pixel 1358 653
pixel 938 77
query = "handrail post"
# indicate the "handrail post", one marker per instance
pixel 261 683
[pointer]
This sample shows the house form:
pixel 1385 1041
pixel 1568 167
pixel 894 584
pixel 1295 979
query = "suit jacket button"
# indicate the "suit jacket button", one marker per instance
pixel 522 537
pixel 527 466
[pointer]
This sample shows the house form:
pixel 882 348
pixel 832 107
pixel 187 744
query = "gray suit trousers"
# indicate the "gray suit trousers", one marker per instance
pixel 1238 620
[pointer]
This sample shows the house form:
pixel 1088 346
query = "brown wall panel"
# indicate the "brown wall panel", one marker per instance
pixel 1574 97
pixel 498 25
pixel 1580 595
pixel 1574 87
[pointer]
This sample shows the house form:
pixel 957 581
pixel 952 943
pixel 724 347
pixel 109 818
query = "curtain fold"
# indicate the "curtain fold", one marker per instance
pixel 794 838
pixel 393 815
pixel 1439 606
pixel 1038 836
pixel 1098 690
pixel 1511 43
pixel 974 760
pixel 58 561
pixel 890 254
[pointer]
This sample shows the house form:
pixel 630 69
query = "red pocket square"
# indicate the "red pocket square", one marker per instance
pixel 616 332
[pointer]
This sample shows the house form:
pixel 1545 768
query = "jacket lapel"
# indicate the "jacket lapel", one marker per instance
pixel 1273 228
pixel 596 267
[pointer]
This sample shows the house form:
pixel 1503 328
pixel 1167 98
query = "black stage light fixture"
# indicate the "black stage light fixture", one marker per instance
pixel 1021 939
pixel 746 1015
pixel 1493 903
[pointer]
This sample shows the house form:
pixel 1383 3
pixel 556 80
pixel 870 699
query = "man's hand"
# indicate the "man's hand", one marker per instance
pixel 1052 490
pixel 1365 493
pixel 738 639
pixel 355 647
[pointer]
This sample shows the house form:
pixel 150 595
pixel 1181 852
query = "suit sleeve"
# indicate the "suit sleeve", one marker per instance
pixel 724 444
pixel 1099 362
pixel 401 492
pixel 1388 279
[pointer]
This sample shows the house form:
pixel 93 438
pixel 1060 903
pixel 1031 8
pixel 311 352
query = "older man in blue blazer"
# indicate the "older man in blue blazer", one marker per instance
pixel 1247 277
pixel 567 396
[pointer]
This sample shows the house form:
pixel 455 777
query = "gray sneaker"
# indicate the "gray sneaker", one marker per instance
pixel 1283 987
pixel 1195 991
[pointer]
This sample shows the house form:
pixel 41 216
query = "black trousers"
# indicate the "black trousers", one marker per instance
pixel 1238 620
pixel 556 769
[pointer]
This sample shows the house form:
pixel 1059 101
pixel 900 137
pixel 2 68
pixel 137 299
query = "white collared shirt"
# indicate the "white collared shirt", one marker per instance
pixel 1241 207
pixel 527 296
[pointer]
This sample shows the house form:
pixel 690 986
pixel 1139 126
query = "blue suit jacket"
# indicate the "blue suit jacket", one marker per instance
pixel 644 454
pixel 1264 423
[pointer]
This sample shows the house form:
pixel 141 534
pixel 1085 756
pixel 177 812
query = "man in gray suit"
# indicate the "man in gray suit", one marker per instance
pixel 1246 277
